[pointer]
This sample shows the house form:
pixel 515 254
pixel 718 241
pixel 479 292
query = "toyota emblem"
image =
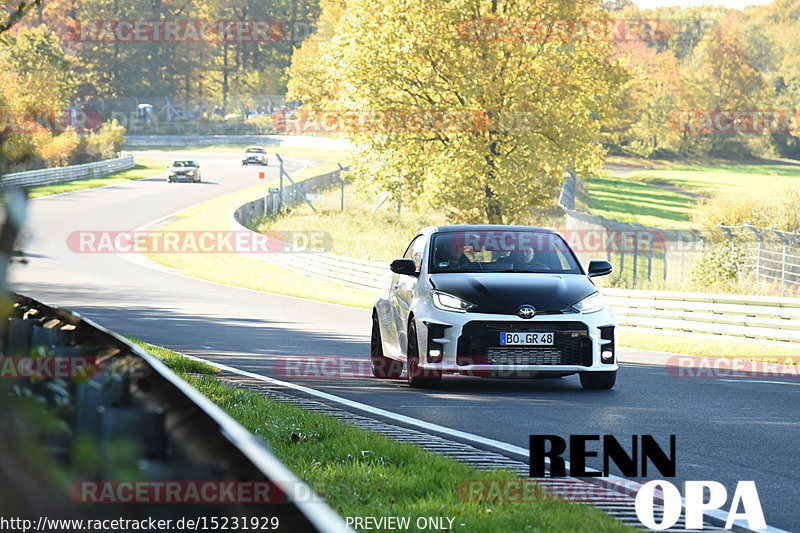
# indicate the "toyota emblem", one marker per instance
pixel 526 311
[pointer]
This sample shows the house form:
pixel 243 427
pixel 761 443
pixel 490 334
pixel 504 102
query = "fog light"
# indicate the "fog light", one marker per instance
pixel 436 339
pixel 607 356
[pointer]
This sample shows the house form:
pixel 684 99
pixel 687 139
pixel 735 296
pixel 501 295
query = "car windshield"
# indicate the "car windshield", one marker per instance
pixel 502 251
pixel 181 164
pixel 254 151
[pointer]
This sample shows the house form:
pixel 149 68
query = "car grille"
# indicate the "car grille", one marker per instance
pixel 543 355
pixel 480 344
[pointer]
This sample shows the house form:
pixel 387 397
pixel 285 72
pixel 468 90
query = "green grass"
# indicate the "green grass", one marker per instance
pixel 636 198
pixel 361 473
pixel 145 167
pixel 242 271
pixel 177 362
pixel 744 351
pixel 727 178
pixel 356 231
pixel 635 201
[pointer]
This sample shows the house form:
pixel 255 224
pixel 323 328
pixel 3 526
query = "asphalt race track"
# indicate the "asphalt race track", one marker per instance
pixel 727 429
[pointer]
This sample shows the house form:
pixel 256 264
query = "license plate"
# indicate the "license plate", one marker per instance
pixel 526 338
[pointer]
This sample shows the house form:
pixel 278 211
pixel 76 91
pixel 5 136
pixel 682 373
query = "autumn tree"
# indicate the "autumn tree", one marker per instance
pixel 310 79
pixel 722 76
pixel 649 98
pixel 36 85
pixel 44 71
pixel 466 104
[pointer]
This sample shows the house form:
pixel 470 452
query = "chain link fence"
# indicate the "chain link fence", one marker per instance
pixel 673 256
pixel 766 253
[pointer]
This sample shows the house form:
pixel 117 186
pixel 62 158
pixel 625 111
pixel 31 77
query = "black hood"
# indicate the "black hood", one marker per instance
pixel 504 293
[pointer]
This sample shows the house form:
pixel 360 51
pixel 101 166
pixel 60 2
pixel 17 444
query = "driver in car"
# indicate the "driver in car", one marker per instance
pixel 522 257
pixel 449 256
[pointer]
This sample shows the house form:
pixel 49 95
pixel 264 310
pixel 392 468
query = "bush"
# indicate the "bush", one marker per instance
pixel 58 151
pixel 104 144
pixel 109 139
pixel 721 265
pixel 780 211
pixel 19 147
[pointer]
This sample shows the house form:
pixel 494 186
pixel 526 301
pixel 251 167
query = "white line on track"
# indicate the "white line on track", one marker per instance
pixel 744 380
pixel 613 482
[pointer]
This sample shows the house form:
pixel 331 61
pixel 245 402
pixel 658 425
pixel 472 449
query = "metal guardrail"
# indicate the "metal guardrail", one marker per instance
pixel 48 176
pixel 180 434
pixel 297 141
pixel 292 193
pixel 758 318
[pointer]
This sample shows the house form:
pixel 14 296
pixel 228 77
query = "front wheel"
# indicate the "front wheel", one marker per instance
pixel 418 377
pixel 382 367
pixel 598 380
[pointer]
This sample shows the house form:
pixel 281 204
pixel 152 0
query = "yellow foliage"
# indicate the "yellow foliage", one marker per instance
pixel 522 109
pixel 780 211
pixel 57 151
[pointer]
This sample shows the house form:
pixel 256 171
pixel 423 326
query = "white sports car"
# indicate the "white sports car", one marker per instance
pixel 493 301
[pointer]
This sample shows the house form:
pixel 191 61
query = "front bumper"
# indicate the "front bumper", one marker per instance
pixel 469 344
pixel 182 176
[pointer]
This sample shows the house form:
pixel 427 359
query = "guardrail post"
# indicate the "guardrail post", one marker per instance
pixel 280 187
pixel 785 243
pixel 341 169
pixel 783 270
pixel 759 249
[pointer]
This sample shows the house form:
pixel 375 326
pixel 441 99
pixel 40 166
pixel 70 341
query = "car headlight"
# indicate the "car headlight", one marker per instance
pixel 190 173
pixel 591 304
pixel 448 302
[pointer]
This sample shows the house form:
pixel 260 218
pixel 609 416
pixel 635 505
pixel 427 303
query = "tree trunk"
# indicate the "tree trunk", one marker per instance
pixel 494 213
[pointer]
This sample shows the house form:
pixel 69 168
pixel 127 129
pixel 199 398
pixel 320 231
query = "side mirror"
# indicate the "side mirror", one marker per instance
pixel 404 266
pixel 599 267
